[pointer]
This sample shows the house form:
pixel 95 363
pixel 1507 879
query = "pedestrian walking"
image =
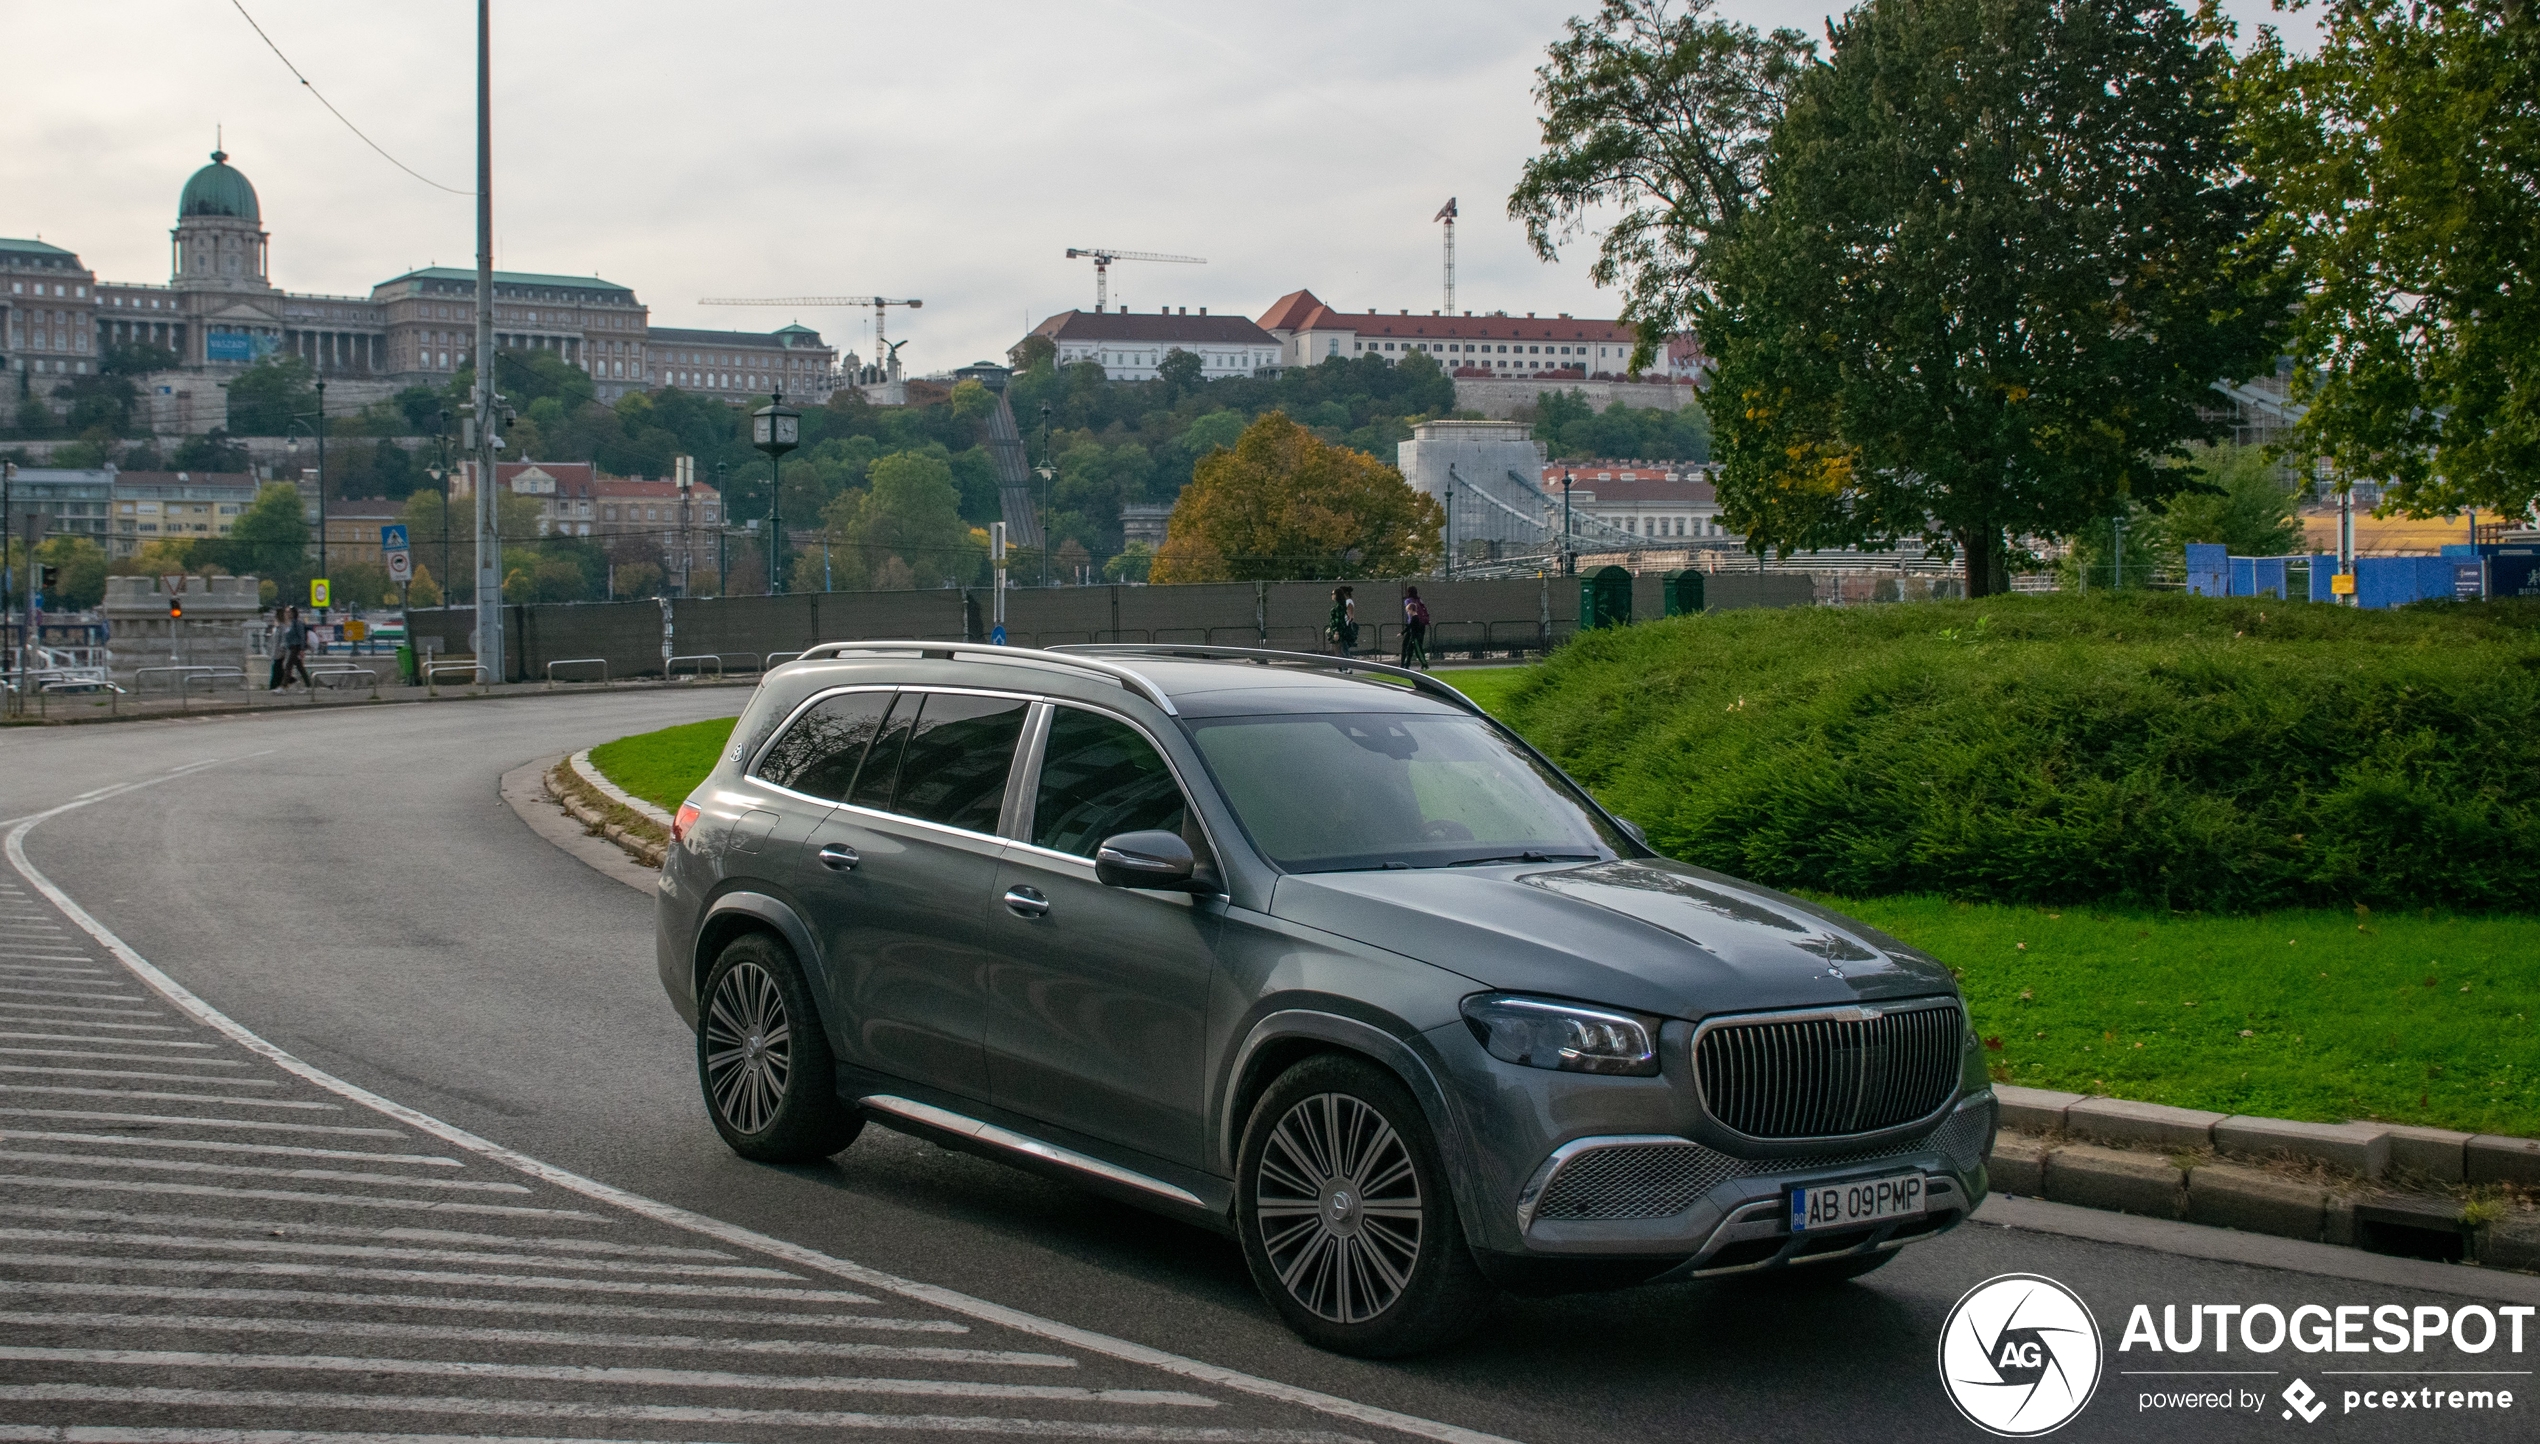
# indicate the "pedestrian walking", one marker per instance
pixel 1415 629
pixel 1343 627
pixel 277 643
pixel 295 641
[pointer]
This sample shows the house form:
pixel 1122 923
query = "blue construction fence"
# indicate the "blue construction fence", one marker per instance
pixel 2459 573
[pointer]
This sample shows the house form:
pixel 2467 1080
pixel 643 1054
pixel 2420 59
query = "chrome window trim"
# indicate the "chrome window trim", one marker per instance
pixel 1022 833
pixel 1844 1013
pixel 1024 1143
pixel 750 773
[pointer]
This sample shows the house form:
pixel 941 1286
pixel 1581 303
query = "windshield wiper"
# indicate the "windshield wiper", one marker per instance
pixel 1527 857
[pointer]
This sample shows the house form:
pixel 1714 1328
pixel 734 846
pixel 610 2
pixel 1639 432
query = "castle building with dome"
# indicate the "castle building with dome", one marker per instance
pixel 219 313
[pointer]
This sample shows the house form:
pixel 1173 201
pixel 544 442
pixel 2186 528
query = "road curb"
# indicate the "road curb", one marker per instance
pixel 580 762
pixel 638 836
pixel 2382 1188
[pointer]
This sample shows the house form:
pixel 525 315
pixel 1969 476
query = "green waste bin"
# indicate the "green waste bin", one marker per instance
pixel 406 662
pixel 1683 591
pixel 1605 598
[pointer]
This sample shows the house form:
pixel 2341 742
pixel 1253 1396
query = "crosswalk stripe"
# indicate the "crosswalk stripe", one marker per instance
pixel 12 970
pixel 118 1042
pixel 554 1308
pixel 409 1255
pixel 7 1008
pixel 110 1028
pixel 278 1228
pixel 542 1338
pixel 118 1057
pixel 258 1125
pixel 612 1376
pixel 213 1145
pixel 249 1170
pixel 285 1195
pixel 51 1071
pixel 118 996
pixel 425 1276
pixel 559 1409
pixel 150 1096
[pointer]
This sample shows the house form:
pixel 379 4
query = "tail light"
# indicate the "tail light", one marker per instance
pixel 687 818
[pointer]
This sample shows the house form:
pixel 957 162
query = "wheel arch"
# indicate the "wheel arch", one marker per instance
pixel 1280 1040
pixel 741 911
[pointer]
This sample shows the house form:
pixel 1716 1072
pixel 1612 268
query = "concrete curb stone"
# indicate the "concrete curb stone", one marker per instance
pixel 2437 1153
pixel 590 775
pixel 2033 1110
pixel 2511 1242
pixel 2096 1177
pixel 2493 1159
pixel 2019 1164
pixel 2118 1120
pixel 2252 1200
pixel 2359 1148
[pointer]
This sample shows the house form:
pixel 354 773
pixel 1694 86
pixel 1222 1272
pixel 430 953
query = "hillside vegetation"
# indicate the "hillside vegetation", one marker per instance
pixel 2146 750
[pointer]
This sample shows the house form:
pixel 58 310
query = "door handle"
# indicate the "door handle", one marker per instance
pixel 838 857
pixel 1026 902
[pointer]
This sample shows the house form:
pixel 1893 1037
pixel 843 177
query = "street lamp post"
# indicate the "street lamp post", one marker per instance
pixel 441 479
pixel 776 429
pixel 723 534
pixel 1566 565
pixel 291 447
pixel 1047 472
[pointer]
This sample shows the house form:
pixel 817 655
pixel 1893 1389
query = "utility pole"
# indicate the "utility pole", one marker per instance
pixel 321 445
pixel 441 479
pixel 1047 471
pixel 489 541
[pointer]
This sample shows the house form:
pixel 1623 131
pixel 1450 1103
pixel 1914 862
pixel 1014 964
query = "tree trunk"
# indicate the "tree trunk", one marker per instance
pixel 1980 552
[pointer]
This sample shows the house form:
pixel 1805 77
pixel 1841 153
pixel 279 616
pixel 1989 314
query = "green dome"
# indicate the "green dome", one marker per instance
pixel 217 190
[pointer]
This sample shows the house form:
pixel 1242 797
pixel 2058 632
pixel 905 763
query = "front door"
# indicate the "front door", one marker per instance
pixel 1098 1002
pixel 901 874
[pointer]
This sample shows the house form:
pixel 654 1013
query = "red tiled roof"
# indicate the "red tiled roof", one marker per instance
pixel 1647 481
pixel 1288 310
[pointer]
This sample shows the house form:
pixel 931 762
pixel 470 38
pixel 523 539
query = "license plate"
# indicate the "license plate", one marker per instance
pixel 1843 1205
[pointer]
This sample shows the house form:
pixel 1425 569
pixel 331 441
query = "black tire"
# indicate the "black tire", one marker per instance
pixel 1379 1276
pixel 769 1080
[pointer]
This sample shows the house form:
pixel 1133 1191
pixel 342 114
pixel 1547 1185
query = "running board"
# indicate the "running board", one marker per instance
pixel 1013 1142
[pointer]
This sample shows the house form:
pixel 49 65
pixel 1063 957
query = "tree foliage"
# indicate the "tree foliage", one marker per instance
pixel 1571 427
pixel 905 529
pixel 2004 253
pixel 267 397
pixel 1285 503
pixel 1655 127
pixel 2405 158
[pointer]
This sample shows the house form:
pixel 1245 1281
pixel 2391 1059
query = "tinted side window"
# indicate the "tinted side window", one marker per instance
pixel 1100 777
pixel 881 770
pixel 955 768
pixel 820 752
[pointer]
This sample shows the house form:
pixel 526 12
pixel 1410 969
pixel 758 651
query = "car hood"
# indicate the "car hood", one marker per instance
pixel 1647 934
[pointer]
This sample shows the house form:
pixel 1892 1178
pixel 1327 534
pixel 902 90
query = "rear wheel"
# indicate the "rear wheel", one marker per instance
pixel 770 1083
pixel 1347 1221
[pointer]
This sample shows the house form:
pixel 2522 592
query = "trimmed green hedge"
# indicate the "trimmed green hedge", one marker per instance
pixel 2145 749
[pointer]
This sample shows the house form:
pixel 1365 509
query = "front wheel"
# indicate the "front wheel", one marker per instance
pixel 1347 1220
pixel 769 1081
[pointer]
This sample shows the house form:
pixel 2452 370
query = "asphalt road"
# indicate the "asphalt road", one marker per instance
pixel 196 1238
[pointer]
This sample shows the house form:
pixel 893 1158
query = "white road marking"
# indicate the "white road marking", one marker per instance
pixel 118 1057
pixel 557 1308
pixel 8 1007
pixel 249 1170
pixel 49 1071
pixel 283 1150
pixel 541 1409
pixel 540 1338
pixel 13 847
pixel 374 1251
pixel 154 1097
pixel 278 1228
pixel 114 997
pixel 92 1023
pixel 260 1125
pixel 92 1038
pixel 117 1263
pixel 608 1376
pixel 33 970
pixel 285 1195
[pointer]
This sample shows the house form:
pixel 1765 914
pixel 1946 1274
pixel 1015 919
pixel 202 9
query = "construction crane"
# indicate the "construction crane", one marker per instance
pixel 881 308
pixel 1103 256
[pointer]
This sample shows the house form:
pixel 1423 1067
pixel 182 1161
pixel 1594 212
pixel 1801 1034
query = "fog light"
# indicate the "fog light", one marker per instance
pixel 1568 1037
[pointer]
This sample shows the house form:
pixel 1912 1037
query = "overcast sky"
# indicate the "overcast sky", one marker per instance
pixel 948 152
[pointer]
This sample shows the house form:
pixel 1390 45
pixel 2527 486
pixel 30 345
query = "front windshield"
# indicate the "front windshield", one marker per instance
pixel 1338 792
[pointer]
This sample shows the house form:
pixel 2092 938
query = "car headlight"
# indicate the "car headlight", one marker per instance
pixel 1569 1037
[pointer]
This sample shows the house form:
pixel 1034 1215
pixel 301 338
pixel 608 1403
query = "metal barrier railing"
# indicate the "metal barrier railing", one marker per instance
pixel 756 661
pixel 344 670
pixel 776 659
pixel 432 673
pixel 697 661
pixel 138 686
pixel 600 662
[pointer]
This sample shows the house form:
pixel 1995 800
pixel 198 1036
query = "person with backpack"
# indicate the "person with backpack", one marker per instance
pixel 1415 629
pixel 1343 627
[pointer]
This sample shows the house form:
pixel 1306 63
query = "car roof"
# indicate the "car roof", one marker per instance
pixel 1221 682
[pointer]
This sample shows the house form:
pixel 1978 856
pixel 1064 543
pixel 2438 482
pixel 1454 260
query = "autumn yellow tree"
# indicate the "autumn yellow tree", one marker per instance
pixel 1282 502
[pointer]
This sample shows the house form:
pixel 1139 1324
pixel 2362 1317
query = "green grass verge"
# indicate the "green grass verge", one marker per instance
pixel 664 767
pixel 2307 1014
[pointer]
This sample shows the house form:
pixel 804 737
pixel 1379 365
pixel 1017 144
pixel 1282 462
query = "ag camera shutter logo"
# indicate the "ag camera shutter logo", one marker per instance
pixel 2019 1355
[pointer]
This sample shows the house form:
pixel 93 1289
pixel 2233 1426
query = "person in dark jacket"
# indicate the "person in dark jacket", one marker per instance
pixel 1415 629
pixel 1343 627
pixel 295 641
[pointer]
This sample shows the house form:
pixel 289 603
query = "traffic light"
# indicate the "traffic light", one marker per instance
pixel 49 577
pixel 176 609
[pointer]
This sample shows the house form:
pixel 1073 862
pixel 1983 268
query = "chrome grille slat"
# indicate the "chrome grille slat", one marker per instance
pixel 1829 1076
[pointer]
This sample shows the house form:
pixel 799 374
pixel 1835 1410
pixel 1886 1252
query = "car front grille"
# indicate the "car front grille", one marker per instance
pixel 1828 1075
pixel 1633 1180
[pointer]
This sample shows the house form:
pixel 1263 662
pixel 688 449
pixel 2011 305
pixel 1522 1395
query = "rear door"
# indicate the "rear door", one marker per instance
pixel 901 874
pixel 1098 1002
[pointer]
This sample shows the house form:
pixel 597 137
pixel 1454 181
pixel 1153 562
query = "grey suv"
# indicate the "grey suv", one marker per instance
pixel 1304 950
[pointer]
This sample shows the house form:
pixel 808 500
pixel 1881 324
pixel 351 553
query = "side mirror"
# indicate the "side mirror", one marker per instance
pixel 1144 859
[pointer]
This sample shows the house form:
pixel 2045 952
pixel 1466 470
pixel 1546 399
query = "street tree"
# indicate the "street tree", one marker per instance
pixel 2404 160
pixel 267 397
pixel 910 515
pixel 1282 502
pixel 2004 254
pixel 1655 125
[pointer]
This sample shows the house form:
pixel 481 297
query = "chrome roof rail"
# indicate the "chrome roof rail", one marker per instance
pixel 1129 678
pixel 1264 656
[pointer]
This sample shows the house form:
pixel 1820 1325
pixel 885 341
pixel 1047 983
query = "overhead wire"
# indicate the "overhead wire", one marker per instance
pixel 330 105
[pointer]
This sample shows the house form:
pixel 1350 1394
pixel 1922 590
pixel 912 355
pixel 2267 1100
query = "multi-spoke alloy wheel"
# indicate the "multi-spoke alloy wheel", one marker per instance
pixel 765 1068
pixel 749 1047
pixel 1347 1221
pixel 1339 1205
